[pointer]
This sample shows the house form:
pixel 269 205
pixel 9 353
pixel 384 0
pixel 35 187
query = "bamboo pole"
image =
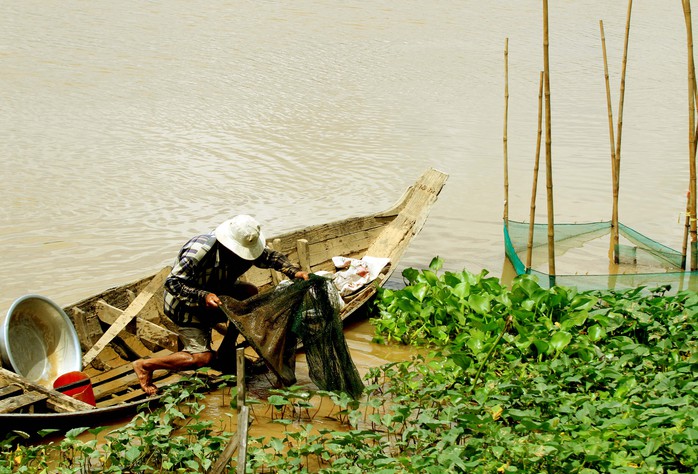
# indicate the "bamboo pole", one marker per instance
pixel 691 134
pixel 532 219
pixel 548 150
pixel 504 140
pixel 687 227
pixel 613 247
pixel 616 181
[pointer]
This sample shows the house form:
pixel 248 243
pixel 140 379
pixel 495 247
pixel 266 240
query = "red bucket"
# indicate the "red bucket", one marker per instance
pixel 76 385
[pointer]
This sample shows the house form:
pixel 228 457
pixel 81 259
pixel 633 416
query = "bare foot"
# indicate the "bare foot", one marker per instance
pixel 145 378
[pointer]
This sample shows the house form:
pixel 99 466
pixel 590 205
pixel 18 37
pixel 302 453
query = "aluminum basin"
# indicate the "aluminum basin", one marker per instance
pixel 38 341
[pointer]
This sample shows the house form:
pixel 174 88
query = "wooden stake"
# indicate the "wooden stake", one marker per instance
pixel 243 411
pixel 506 118
pixel 239 441
pixel 548 150
pixel 613 246
pixel 691 134
pixel 242 388
pixel 529 250
pixel 303 254
pixel 243 426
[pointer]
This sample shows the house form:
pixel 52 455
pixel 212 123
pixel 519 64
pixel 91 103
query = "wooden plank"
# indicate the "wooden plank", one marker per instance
pixel 128 314
pixel 116 386
pixel 144 330
pixel 11 404
pixel 56 400
pixel 110 375
pixel 109 314
pixel 89 331
pixel 303 254
pixel 9 391
pixel 276 277
pixel 157 335
pixel 125 381
pixel 137 392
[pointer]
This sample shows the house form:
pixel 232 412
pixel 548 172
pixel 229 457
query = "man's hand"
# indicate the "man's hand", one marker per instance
pixel 212 300
pixel 302 274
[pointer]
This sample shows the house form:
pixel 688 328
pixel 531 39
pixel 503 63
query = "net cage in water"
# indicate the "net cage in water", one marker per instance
pixel 643 261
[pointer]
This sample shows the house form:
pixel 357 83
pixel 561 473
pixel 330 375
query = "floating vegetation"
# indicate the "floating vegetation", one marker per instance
pixel 523 379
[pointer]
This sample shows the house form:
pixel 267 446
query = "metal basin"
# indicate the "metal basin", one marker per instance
pixel 38 340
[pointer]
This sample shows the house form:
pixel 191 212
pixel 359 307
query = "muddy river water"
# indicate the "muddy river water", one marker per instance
pixel 128 127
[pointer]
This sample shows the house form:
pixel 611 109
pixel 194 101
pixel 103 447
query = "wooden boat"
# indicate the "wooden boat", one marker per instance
pixel 127 322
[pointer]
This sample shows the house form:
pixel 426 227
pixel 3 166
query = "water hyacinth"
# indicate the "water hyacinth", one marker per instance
pixel 520 379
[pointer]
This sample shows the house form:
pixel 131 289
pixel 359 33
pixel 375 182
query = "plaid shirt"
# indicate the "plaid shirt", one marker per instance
pixel 201 268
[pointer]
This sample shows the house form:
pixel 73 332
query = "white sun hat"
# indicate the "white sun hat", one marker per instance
pixel 243 235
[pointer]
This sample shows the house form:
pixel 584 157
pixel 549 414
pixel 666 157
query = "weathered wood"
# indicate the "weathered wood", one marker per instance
pixel 119 379
pixel 10 391
pixel 89 331
pixel 393 240
pixel 232 446
pixel 87 326
pixel 243 427
pixel 240 368
pixel 144 329
pixel 55 400
pixel 109 314
pixel 28 399
pixel 303 254
pixel 276 277
pixel 157 335
pixel 128 314
pixel 137 393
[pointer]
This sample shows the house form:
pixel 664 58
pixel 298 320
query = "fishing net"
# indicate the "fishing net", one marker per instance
pixel 273 323
pixel 643 261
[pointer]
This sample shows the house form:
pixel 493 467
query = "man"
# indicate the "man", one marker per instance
pixel 209 265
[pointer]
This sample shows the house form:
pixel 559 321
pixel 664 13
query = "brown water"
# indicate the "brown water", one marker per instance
pixel 128 127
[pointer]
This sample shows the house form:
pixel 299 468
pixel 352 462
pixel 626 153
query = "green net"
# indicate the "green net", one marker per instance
pixel 643 261
pixel 273 322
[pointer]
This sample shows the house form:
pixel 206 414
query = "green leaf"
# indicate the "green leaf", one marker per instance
pixel 479 303
pixel 596 333
pixel 560 340
pixel 132 453
pixel 462 360
pixel 436 263
pixel 476 342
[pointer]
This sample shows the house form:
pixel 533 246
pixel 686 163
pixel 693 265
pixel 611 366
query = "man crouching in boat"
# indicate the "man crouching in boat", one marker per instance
pixel 208 265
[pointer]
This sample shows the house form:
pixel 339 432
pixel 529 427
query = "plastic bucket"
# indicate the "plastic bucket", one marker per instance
pixel 77 385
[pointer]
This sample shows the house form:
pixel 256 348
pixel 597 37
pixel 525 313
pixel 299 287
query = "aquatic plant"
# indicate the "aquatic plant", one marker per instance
pixel 521 379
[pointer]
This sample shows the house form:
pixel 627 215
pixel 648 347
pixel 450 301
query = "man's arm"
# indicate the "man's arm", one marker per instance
pixel 281 263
